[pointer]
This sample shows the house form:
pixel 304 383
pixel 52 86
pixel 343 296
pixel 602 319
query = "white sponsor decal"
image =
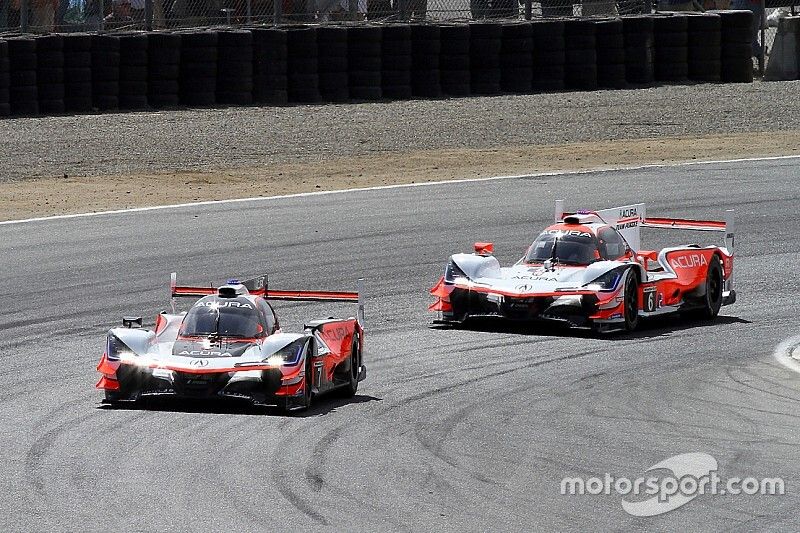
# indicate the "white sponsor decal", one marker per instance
pixel 196 353
pixel 688 261
pixel 225 304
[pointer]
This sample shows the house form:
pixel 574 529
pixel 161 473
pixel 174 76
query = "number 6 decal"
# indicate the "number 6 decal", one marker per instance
pixel 650 301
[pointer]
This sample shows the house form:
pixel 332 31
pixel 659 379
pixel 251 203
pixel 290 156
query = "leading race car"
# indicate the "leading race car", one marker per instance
pixel 230 345
pixel 589 270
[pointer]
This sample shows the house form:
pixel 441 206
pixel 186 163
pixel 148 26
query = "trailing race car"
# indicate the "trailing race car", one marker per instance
pixel 230 344
pixel 588 270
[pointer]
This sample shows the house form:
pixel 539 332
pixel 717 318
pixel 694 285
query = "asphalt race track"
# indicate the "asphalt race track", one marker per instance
pixel 453 429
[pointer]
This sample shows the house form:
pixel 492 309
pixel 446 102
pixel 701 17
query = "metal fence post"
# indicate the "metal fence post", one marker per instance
pixel 352 7
pixel 249 11
pixel 24 7
pixel 528 9
pixel 277 10
pixel 148 15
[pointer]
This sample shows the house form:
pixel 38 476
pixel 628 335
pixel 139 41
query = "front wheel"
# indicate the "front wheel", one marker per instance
pixel 631 301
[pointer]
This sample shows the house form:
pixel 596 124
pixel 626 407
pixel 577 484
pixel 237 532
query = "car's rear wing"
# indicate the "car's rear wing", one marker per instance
pixel 259 286
pixel 628 220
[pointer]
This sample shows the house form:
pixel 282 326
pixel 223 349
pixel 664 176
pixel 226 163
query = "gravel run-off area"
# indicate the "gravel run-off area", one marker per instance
pixel 67 164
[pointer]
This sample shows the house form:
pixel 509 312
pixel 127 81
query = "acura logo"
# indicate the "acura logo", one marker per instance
pixel 524 288
pixel 198 362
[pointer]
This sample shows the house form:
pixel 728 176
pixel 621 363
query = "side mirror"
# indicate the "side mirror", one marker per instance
pixel 131 322
pixel 484 248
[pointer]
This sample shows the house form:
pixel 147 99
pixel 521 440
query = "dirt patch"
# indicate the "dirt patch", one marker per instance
pixel 73 194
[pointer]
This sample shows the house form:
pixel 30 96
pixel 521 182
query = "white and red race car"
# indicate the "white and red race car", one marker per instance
pixel 589 269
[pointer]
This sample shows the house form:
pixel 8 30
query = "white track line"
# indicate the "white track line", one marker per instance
pixel 399 186
pixel 788 353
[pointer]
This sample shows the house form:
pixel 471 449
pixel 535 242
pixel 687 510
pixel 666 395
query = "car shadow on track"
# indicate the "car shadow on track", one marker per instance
pixel 648 328
pixel 321 406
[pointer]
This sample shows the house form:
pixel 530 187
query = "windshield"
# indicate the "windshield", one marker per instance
pixel 226 319
pixel 570 249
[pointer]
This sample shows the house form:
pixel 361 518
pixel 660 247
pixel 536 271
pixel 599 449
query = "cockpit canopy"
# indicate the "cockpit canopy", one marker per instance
pixel 225 317
pixel 572 244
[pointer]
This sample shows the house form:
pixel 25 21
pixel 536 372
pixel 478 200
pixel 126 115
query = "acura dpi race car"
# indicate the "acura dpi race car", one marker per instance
pixel 589 270
pixel 230 344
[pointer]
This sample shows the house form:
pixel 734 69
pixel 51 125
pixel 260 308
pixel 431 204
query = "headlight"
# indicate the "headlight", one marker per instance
pixel 451 272
pixel 116 349
pixel 288 355
pixel 606 282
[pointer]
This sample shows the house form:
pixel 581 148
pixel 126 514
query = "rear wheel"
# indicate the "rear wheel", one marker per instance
pixel 712 300
pixel 631 301
pixel 355 369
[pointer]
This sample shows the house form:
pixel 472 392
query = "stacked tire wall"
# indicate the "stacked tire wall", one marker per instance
pixel 5 108
pixel 235 67
pixel 737 53
pixel 671 48
pixel 163 69
pixel 50 74
pixel 454 60
pixel 133 71
pixel 705 47
pixel 485 43
pixel 105 72
pixel 23 94
pixel 637 33
pixel 80 73
pixel 396 60
pixel 270 80
pixel 549 55
pixel 332 63
pixel 364 51
pixel 198 68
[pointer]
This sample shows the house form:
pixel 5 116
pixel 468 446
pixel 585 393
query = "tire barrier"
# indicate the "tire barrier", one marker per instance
pixel 454 60
pixel 610 54
pixel 197 78
pixel 332 65
pixel 301 65
pixel 163 69
pixel 78 73
pixel 364 52
pixel 485 42
pixel 235 67
pixel 549 55
pixel 705 47
pixel 580 66
pixel 105 72
pixel 270 81
pixel 737 50
pixel 396 60
pixel 516 58
pixel 23 94
pixel 5 107
pixel 426 49
pixel 133 70
pixel 50 74
pixel 637 32
pixel 671 48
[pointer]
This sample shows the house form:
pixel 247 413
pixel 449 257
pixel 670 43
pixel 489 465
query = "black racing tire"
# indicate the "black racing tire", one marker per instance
pixel 712 300
pixel 631 301
pixel 355 367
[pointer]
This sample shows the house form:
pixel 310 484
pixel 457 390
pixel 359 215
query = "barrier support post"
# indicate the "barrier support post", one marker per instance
pixel 24 7
pixel 528 9
pixel 148 15
pixel 762 57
